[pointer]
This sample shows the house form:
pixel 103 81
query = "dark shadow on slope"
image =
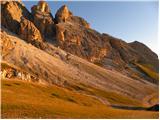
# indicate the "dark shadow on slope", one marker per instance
pixel 152 108
pixel 7 84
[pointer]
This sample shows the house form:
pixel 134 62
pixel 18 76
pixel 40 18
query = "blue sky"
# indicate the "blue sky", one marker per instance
pixel 126 20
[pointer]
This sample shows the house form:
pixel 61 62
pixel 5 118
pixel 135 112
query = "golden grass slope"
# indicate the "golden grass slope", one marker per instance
pixel 28 100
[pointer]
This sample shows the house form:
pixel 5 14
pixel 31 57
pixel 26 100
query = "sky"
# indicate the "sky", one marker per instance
pixel 127 20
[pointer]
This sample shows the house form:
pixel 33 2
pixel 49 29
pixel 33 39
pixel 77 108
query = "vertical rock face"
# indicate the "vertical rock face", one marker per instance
pixel 28 31
pixel 43 19
pixel 11 14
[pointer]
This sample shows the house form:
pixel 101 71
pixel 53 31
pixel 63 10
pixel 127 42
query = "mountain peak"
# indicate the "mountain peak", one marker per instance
pixel 42 7
pixel 43 19
pixel 63 14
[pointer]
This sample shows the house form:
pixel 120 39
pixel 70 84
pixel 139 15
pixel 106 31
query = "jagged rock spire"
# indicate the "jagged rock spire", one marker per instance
pixel 62 14
pixel 43 19
pixel 41 7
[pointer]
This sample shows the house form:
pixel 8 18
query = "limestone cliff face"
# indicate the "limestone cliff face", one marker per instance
pixel 11 14
pixel 16 18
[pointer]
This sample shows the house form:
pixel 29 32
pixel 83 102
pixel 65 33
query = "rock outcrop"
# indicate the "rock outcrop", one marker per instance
pixel 60 34
pixel 11 14
pixel 43 19
pixel 65 15
pixel 28 31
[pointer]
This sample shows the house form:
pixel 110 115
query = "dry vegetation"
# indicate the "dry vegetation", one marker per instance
pixel 29 100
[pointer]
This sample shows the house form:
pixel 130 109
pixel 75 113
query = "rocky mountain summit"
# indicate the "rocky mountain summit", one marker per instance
pixel 74 35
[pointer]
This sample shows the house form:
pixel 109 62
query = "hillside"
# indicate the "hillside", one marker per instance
pixel 76 71
pixel 74 35
pixel 56 102
pixel 72 72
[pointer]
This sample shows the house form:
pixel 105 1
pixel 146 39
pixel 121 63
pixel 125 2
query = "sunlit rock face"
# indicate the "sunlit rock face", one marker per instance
pixel 28 31
pixel 11 13
pixel 43 19
pixel 60 33
pixel 43 7
pixel 63 15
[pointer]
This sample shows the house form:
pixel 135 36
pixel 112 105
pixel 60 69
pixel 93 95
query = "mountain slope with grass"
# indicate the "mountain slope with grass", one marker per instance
pixel 59 67
pixel 29 100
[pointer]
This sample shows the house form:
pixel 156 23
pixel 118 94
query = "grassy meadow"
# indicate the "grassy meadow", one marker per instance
pixel 21 99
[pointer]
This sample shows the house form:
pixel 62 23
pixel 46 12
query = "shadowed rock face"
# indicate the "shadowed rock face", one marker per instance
pixel 147 54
